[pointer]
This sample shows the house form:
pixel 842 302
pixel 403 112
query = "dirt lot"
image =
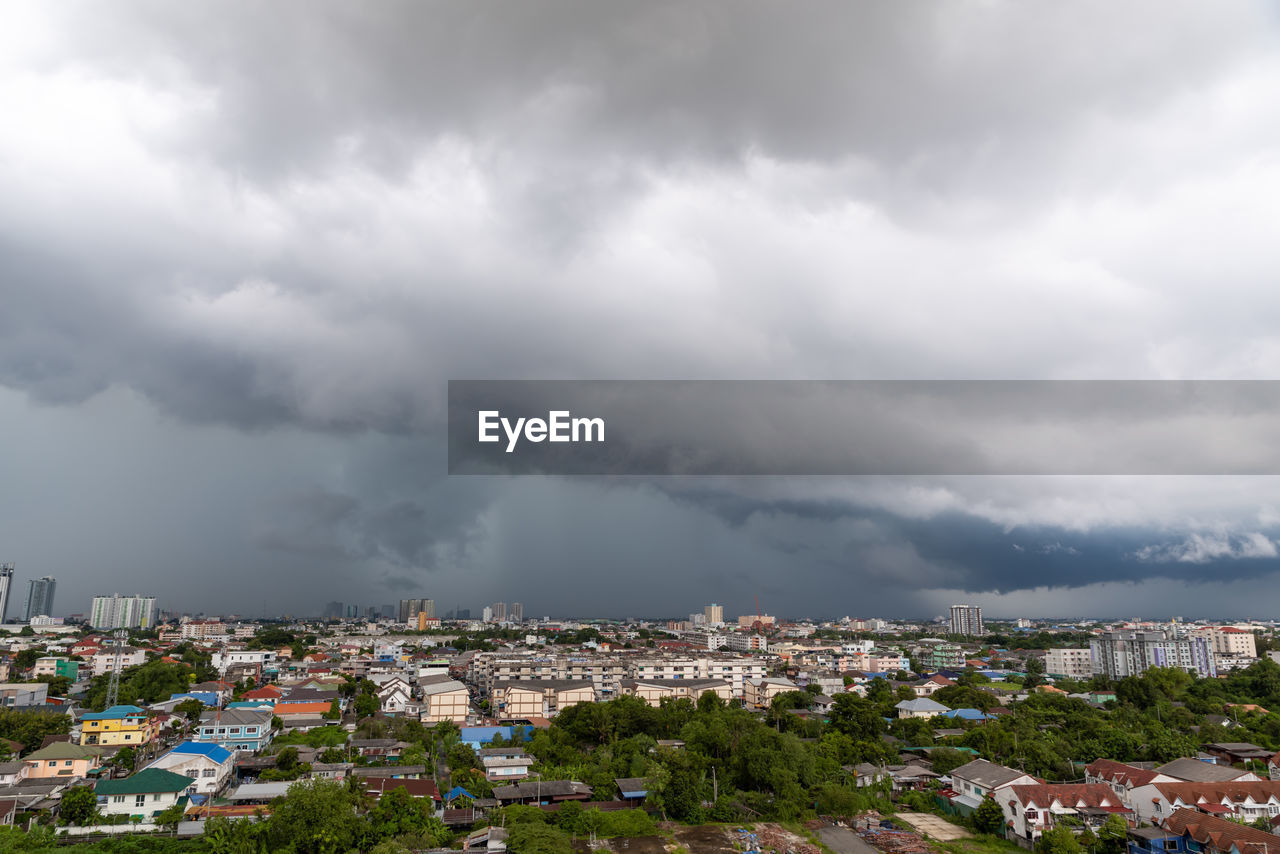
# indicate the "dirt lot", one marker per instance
pixel 626 845
pixel 704 839
pixel 935 826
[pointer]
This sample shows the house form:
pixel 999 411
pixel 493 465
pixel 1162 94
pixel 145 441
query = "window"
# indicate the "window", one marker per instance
pixel 210 772
pixel 118 799
pixel 140 800
pixel 1171 845
pixel 1031 815
pixel 68 762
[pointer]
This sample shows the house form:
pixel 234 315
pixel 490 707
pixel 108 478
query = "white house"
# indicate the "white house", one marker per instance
pixel 975 780
pixel 1249 799
pixel 1031 810
pixel 921 707
pixel 209 765
pixel 143 794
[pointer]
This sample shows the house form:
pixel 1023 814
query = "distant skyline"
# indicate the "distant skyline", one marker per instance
pixel 246 247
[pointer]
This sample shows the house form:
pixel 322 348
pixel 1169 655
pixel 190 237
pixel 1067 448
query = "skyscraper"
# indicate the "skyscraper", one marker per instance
pixel 516 615
pixel 499 611
pixel 39 598
pixel 411 608
pixel 966 620
pixel 128 612
pixel 6 581
pixel 714 614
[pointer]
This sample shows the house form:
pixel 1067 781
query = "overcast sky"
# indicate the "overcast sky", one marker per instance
pixel 243 247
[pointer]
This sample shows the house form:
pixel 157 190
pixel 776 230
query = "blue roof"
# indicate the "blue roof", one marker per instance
pixel 215 752
pixel 457 791
pixel 965 714
pixel 114 712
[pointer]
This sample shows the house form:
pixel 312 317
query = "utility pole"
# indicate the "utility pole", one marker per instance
pixel 113 686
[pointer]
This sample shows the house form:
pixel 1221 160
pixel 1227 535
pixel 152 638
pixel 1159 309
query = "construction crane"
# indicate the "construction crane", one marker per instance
pixel 113 686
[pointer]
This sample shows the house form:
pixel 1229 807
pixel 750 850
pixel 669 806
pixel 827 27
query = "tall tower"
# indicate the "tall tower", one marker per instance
pixel 6 582
pixel 39 598
pixel 714 614
pixel 966 620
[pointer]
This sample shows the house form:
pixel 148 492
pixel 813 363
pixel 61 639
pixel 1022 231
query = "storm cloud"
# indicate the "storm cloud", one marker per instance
pixel 244 247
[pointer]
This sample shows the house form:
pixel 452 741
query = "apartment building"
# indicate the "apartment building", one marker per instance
pixel 760 692
pixel 539 698
pixel 118 725
pixel 1069 663
pixel 445 701
pixel 1120 654
pixel 654 691
pixel 1229 641
pixel 607 671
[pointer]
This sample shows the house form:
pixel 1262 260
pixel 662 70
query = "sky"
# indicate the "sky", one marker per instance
pixel 244 246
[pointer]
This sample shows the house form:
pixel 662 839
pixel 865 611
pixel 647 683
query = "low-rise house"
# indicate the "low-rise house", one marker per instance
pixel 143 794
pixel 1195 771
pixel 1214 835
pixel 236 729
pixel 507 768
pixel 865 774
pixel 1123 778
pixel 1233 752
pixel 921 707
pixel 13 771
pixel 394 696
pixel 1248 800
pixel 542 792
pixel 1031 810
pixel 417 788
pixel 104 660
pixel 379 748
pixel 62 759
pixel 306 701
pixel 974 781
pixel 486 840
pixel 119 725
pixel 209 765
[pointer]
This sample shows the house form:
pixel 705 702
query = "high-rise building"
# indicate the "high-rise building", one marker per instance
pixel 464 614
pixel 411 608
pixel 714 614
pixel 353 612
pixel 1120 654
pixel 966 620
pixel 499 612
pixel 123 612
pixel 6 582
pixel 487 614
pixel 333 611
pixel 516 614
pixel 39 598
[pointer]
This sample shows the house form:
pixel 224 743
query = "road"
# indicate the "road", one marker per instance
pixel 842 840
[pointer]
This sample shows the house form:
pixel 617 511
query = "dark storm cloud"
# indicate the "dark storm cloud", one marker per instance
pixel 287 226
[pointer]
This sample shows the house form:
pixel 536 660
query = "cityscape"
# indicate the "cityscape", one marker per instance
pixel 705 427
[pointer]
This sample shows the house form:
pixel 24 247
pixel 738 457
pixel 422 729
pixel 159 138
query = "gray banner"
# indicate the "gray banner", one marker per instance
pixel 647 427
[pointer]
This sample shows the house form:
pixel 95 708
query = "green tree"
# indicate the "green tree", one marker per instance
pixel 1058 840
pixel 79 805
pixel 126 758
pixel 1112 835
pixel 989 818
pixel 315 817
pixel 169 817
pixel 287 758
pixel 335 711
pixel 367 705
pixel 536 838
pixel 398 813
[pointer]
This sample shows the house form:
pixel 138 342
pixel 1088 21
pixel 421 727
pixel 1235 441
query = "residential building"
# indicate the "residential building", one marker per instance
pixel 129 612
pixel 53 665
pixel 1122 778
pixel 210 765
pixel 1069 664
pixel 119 725
pixel 143 794
pixel 760 692
pixel 746 642
pixel 714 614
pixel 499 612
pixel 1244 800
pixel 516 613
pixel 6 587
pixel 236 729
pixel 921 707
pixel 976 780
pixel 410 609
pixel 654 691
pixel 542 698
pixel 506 768
pixel 62 759
pixel 104 660
pixel 1229 641
pixel 24 694
pixel 1213 835
pixel 1120 654
pixel 1030 810
pixel 542 792
pixel 445 701
pixel 748 621
pixel 1194 771
pixel 39 598
pixel 966 620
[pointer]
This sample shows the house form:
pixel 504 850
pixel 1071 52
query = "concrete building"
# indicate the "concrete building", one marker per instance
pixel 1120 654
pixel 714 614
pixel 143 794
pixel 760 692
pixel 116 611
pixel 654 691
pixel 1229 641
pixel 966 620
pixel 1069 663
pixel 6 586
pixel 539 698
pixel 445 701
pixel 210 766
pixel 39 598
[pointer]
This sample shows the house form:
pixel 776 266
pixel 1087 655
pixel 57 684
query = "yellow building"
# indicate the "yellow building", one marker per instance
pixel 122 725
